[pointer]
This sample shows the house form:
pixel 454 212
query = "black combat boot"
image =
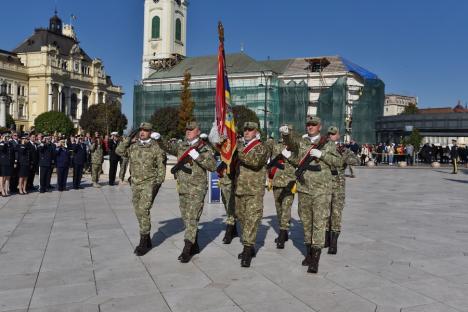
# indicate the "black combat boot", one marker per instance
pixel 186 254
pixel 145 245
pixel 307 258
pixel 252 252
pixel 247 254
pixel 314 259
pixel 333 243
pixel 229 235
pixel 327 239
pixel 282 238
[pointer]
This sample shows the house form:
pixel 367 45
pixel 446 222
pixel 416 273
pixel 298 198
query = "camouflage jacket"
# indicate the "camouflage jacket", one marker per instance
pixel 147 161
pixel 347 157
pixel 314 181
pixel 197 181
pixel 97 154
pixel 250 174
pixel 282 177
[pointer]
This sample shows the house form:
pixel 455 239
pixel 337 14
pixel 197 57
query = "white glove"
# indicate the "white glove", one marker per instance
pixel 284 130
pixel 194 154
pixel 203 136
pixel 155 136
pixel 286 153
pixel 315 153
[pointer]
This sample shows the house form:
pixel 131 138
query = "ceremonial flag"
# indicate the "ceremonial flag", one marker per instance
pixel 224 116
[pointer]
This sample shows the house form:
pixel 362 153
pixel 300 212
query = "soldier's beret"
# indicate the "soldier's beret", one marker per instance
pixel 192 125
pixel 332 130
pixel 454 140
pixel 250 125
pixel 146 126
pixel 313 120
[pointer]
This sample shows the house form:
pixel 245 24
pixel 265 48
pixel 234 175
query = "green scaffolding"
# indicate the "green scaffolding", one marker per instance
pixel 365 111
pixel 283 103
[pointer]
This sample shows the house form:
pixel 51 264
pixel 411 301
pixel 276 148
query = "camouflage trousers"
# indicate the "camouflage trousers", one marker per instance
pixel 228 198
pixel 283 201
pixel 337 206
pixel 191 208
pixel 123 168
pixel 314 211
pixel 142 199
pixel 96 172
pixel 249 211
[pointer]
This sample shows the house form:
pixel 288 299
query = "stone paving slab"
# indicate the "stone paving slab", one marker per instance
pixel 404 247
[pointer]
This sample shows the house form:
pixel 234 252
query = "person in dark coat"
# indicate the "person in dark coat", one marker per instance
pixel 14 174
pixel 62 163
pixel 114 159
pixel 79 161
pixel 23 163
pixel 34 159
pixel 46 157
pixel 6 158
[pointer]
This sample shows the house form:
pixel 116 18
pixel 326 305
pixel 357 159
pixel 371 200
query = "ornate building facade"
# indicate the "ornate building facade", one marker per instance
pixel 49 71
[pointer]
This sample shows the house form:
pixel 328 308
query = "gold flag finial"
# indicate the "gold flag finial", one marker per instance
pixel 221 31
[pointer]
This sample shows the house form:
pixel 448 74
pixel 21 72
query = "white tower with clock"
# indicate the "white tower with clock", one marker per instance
pixel 165 33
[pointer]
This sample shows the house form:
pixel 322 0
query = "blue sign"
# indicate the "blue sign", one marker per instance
pixel 214 192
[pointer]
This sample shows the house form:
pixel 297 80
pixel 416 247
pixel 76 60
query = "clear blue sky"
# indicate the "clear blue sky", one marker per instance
pixel 417 47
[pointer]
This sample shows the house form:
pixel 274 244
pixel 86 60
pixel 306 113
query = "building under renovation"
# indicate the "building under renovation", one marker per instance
pixel 279 91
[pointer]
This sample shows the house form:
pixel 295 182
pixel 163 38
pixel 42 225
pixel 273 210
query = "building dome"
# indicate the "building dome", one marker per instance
pixel 55 24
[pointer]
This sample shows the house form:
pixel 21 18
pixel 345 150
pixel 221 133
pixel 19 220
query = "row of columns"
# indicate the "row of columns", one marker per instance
pixel 94 97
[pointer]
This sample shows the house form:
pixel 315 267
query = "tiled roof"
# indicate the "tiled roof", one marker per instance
pixel 44 37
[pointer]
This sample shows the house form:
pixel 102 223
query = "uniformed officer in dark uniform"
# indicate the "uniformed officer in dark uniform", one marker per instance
pixel 34 159
pixel 79 161
pixel 62 164
pixel 46 158
pixel 113 157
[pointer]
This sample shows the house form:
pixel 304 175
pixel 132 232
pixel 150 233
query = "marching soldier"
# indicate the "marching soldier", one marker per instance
pixel 282 179
pixel 195 158
pixel 147 164
pixel 252 156
pixel 338 191
pixel 317 155
pixel 97 158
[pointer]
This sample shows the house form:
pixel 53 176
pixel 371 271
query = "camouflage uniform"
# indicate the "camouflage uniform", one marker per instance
pixel 347 157
pixel 192 187
pixel 315 191
pixel 227 195
pixel 147 164
pixel 123 167
pixel 283 182
pixel 250 189
pixel 97 158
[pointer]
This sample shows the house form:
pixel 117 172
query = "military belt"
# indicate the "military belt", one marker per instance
pixel 334 172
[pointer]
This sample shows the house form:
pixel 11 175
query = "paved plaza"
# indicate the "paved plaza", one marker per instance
pixel 404 247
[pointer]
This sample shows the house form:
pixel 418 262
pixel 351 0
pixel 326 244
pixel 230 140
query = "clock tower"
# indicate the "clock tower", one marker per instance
pixel 165 33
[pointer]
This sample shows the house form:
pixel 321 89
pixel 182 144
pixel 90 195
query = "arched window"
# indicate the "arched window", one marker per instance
pixel 178 30
pixel 84 103
pixel 155 28
pixel 74 105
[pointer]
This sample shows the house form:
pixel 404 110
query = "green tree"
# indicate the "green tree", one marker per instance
pixel 10 122
pixel 415 139
pixel 166 121
pixel 411 109
pixel 243 114
pixel 52 122
pixel 104 118
pixel 187 104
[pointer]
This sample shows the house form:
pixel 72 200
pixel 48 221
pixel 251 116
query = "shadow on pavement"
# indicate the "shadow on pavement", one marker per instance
pixel 168 229
pixel 459 181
